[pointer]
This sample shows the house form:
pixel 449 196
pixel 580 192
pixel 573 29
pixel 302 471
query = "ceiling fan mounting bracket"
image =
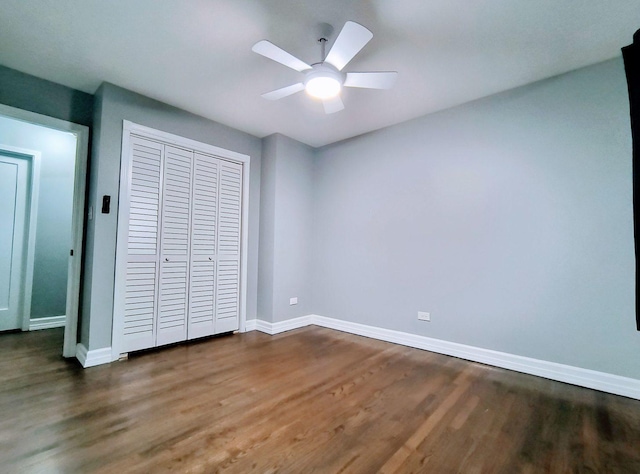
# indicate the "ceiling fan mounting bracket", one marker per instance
pixel 324 30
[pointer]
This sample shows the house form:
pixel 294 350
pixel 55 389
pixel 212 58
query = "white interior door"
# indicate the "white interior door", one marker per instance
pixel 141 212
pixel 229 247
pixel 204 217
pixel 174 247
pixel 182 241
pixel 13 221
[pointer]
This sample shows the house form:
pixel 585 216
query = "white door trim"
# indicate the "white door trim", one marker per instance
pixel 32 157
pixel 129 129
pixel 77 224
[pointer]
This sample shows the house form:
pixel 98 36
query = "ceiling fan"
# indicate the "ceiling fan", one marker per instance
pixel 324 80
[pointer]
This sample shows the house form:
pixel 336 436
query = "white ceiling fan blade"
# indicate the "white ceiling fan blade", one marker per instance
pixel 371 80
pixel 279 55
pixel 283 92
pixel 351 39
pixel 333 105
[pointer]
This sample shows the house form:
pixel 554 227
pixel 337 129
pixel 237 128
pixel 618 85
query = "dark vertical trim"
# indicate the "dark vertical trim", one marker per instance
pixel 631 56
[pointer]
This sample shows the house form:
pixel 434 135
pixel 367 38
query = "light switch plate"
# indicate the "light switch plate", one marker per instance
pixel 293 301
pixel 422 316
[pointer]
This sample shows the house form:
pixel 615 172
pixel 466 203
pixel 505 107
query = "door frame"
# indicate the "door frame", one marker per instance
pixel 81 133
pixel 129 129
pixel 32 158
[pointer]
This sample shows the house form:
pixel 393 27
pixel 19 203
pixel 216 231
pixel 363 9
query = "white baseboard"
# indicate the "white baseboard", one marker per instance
pixel 250 325
pixel 282 326
pixel 47 323
pixel 602 381
pixel 94 357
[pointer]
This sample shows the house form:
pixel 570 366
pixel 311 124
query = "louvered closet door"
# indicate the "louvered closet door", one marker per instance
pixel 174 252
pixel 228 264
pixel 139 330
pixel 204 217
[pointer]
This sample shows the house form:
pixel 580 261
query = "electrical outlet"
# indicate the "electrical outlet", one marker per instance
pixel 293 301
pixel 422 316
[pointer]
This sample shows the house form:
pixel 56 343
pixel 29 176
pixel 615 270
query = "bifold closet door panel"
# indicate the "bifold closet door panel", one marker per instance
pixel 204 223
pixel 174 246
pixel 143 242
pixel 228 261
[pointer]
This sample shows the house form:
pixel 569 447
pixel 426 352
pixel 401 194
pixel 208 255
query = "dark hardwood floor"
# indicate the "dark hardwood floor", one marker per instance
pixel 310 400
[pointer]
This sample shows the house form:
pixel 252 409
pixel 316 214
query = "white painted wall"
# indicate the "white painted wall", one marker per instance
pixel 509 219
pixel 55 204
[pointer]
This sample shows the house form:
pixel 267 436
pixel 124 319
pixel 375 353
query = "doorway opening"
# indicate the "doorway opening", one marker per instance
pixel 43 164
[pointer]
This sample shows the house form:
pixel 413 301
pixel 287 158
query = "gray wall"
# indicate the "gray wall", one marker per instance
pixel 267 228
pixel 113 105
pixel 27 92
pixel 285 229
pixel 509 219
pixel 55 205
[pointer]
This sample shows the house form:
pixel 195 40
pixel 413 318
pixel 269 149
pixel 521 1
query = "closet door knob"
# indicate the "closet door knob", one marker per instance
pixel 210 259
pixel 166 259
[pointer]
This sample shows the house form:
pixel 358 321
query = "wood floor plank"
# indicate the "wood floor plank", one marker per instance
pixel 309 400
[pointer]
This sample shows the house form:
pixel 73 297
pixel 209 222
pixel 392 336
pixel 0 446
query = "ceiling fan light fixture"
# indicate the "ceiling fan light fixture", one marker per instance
pixel 323 87
pixel 323 82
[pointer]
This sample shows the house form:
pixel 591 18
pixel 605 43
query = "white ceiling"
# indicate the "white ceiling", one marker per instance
pixel 196 54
